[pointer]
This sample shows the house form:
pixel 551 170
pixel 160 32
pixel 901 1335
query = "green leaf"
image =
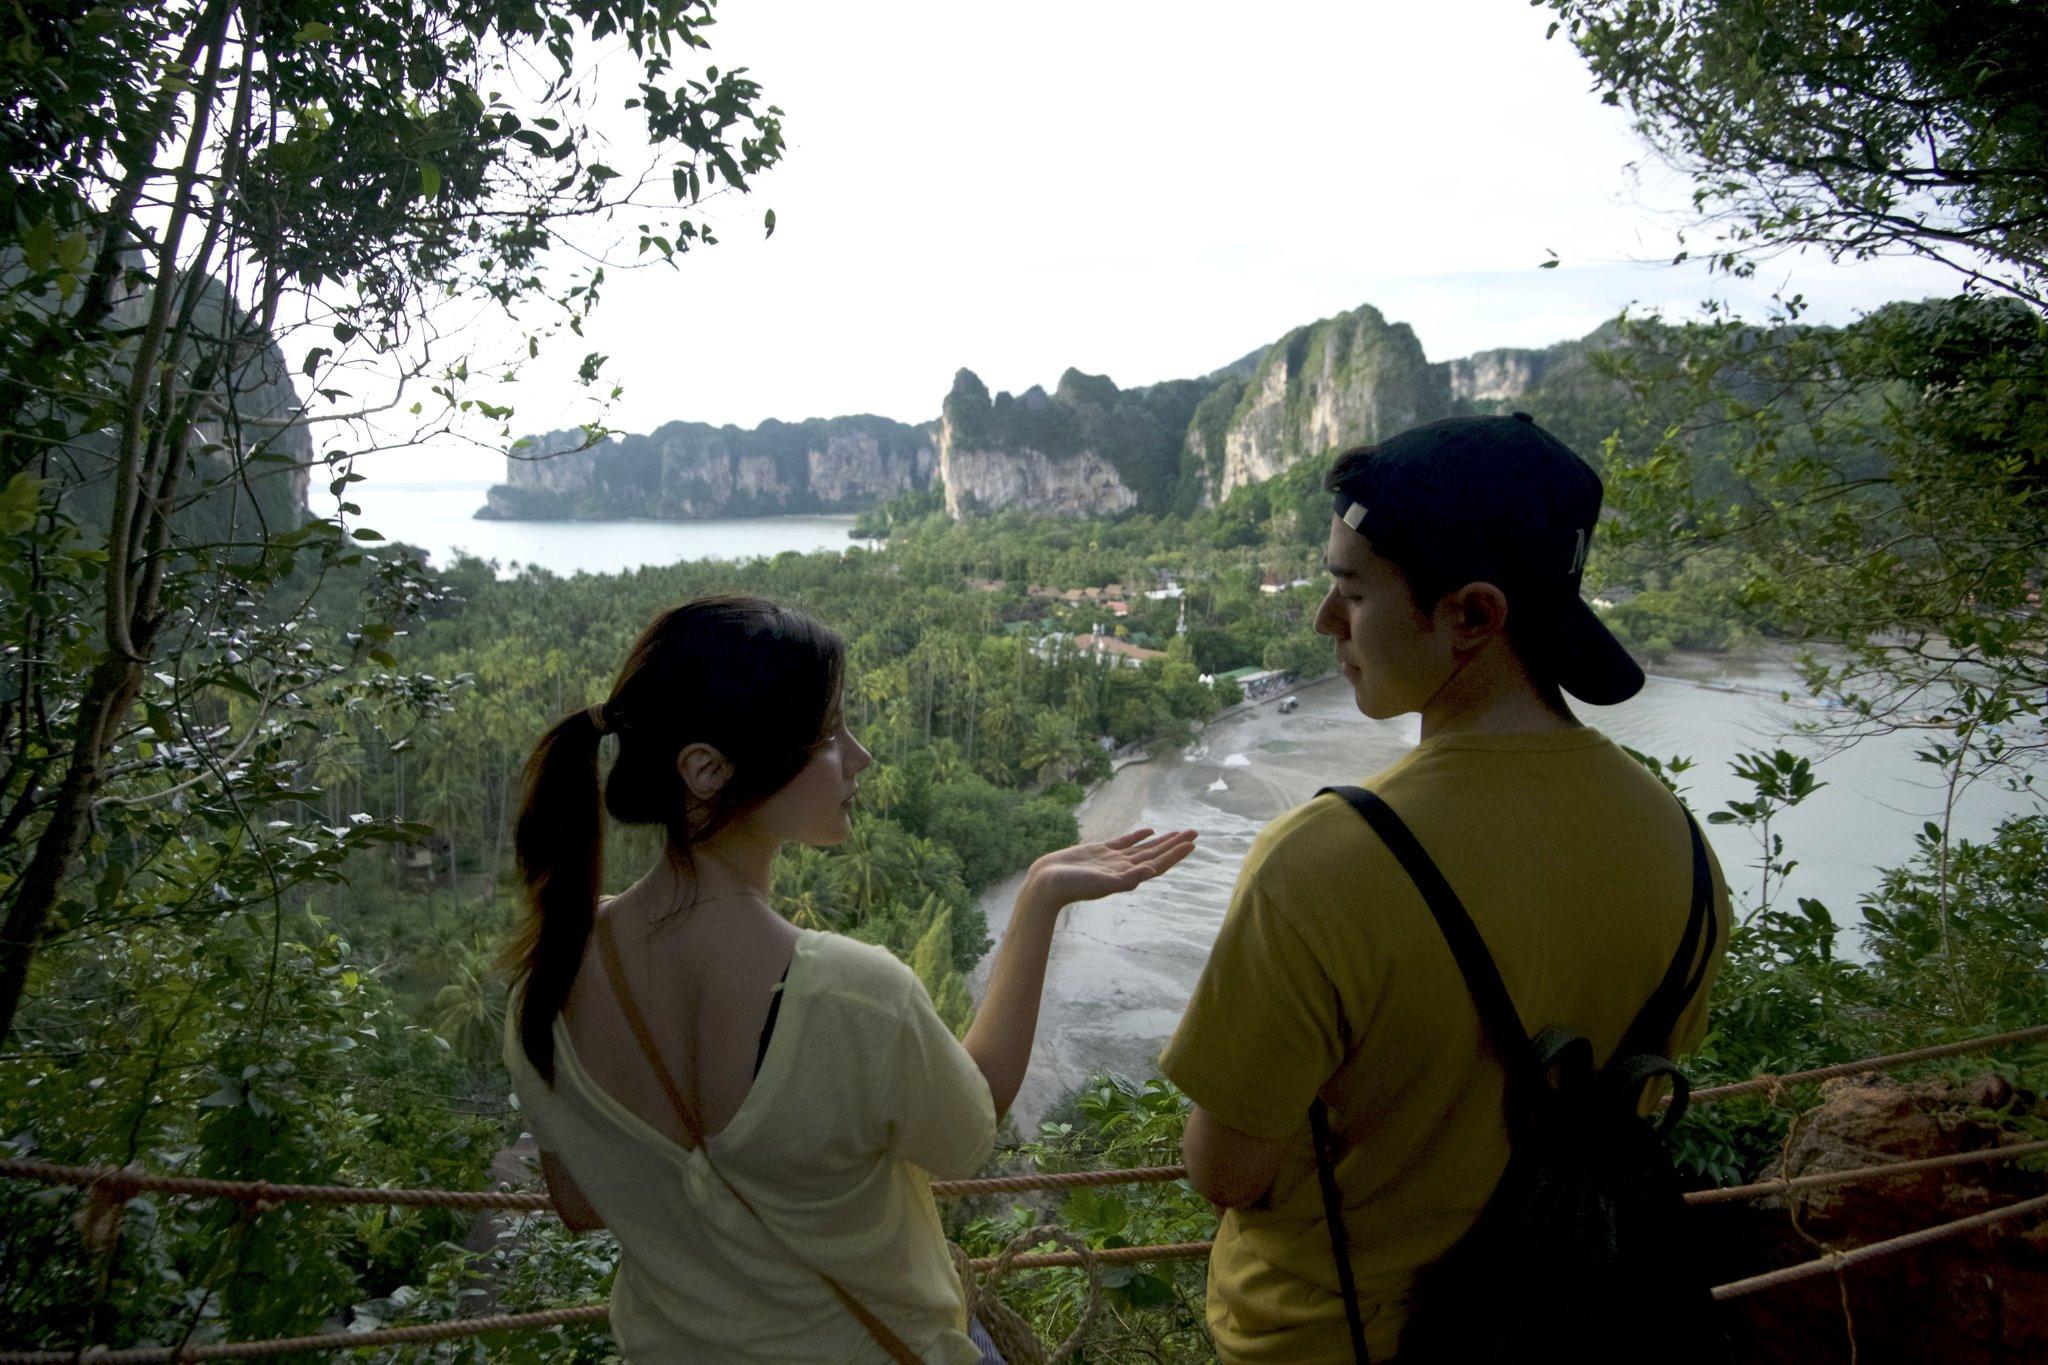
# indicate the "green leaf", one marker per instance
pixel 20 501
pixel 430 179
pixel 234 684
pixel 769 220
pixel 160 722
pixel 312 31
pixel 39 245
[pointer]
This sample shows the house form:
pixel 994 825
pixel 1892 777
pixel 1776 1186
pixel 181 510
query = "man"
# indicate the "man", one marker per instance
pixel 1455 555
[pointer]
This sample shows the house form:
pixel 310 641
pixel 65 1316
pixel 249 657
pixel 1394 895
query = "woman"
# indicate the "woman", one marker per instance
pixel 754 1110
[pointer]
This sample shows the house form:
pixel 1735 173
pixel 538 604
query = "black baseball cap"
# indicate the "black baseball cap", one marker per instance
pixel 1502 501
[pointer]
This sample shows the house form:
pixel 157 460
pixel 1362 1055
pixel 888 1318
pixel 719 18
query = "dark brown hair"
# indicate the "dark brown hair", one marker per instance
pixel 757 682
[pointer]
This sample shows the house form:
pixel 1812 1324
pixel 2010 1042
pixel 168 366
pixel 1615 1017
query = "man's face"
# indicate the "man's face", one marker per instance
pixel 1393 656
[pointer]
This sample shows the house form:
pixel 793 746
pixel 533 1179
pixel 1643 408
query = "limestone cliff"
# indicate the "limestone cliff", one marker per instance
pixel 1087 448
pixel 1343 381
pixel 690 469
pixel 255 423
pixel 1560 385
pixel 1496 376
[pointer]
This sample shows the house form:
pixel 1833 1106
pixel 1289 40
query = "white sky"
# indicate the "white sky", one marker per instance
pixel 1142 189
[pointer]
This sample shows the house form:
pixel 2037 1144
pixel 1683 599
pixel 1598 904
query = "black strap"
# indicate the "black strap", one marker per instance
pixel 1333 1214
pixel 768 1029
pixel 1653 1026
pixel 1527 1060
pixel 1503 1024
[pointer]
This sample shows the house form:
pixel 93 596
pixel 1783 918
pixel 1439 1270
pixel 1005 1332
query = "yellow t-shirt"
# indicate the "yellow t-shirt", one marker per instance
pixel 1329 975
pixel 863 1096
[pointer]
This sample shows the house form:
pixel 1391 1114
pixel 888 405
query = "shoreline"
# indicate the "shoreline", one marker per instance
pixel 1120 971
pixel 1690 668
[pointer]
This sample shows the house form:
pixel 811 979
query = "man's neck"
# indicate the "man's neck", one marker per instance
pixel 1494 695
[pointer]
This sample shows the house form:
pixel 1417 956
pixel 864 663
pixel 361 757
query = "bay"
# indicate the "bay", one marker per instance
pixel 439 518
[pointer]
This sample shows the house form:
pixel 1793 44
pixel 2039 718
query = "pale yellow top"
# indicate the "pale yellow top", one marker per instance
pixel 863 1096
pixel 1329 975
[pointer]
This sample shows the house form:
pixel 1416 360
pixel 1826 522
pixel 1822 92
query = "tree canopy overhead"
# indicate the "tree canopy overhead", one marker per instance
pixel 196 189
pixel 1916 126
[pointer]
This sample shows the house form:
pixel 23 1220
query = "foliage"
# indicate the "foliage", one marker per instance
pixel 1151 1312
pixel 203 718
pixel 308 1075
pixel 181 176
pixel 1955 944
pixel 1874 489
pixel 1780 781
pixel 1915 126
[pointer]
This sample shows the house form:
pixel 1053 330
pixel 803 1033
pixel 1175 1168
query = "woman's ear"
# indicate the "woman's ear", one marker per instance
pixel 704 770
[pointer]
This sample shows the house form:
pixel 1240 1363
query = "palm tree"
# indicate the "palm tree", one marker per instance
pixel 1051 750
pixel 886 787
pixel 469 1012
pixel 872 864
pixel 806 910
pixel 999 722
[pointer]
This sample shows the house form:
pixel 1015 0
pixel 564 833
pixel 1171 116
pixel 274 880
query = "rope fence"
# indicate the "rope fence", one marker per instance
pixel 1838 1261
pixel 1772 1084
pixel 114 1185
pixel 1054 1180
pixel 324 1341
pixel 1833 1263
pixel 262 1194
pixel 1729 1194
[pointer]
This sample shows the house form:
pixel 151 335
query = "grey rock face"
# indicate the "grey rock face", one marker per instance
pixel 1348 380
pixel 1033 453
pixel 690 469
pixel 1497 376
pixel 1029 480
pixel 254 410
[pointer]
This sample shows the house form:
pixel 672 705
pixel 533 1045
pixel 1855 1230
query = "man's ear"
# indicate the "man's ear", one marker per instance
pixel 704 770
pixel 1478 612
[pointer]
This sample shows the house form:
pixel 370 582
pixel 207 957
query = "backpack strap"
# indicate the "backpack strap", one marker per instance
pixel 1502 1023
pixel 1333 1214
pixel 1651 1031
pixel 608 947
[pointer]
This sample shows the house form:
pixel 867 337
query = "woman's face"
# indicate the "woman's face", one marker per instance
pixel 816 806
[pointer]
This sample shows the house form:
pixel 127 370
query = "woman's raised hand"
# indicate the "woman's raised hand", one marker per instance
pixel 1087 872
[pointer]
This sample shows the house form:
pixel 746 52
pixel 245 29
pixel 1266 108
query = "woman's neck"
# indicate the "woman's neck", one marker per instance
pixel 735 859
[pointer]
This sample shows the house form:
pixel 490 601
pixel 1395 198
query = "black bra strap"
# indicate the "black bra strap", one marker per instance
pixel 768 1029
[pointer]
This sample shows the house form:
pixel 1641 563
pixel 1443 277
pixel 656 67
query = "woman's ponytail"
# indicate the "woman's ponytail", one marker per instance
pixel 560 845
pixel 757 682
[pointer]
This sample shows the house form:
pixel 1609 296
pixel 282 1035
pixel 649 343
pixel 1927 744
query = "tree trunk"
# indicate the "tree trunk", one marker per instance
pixel 115 683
